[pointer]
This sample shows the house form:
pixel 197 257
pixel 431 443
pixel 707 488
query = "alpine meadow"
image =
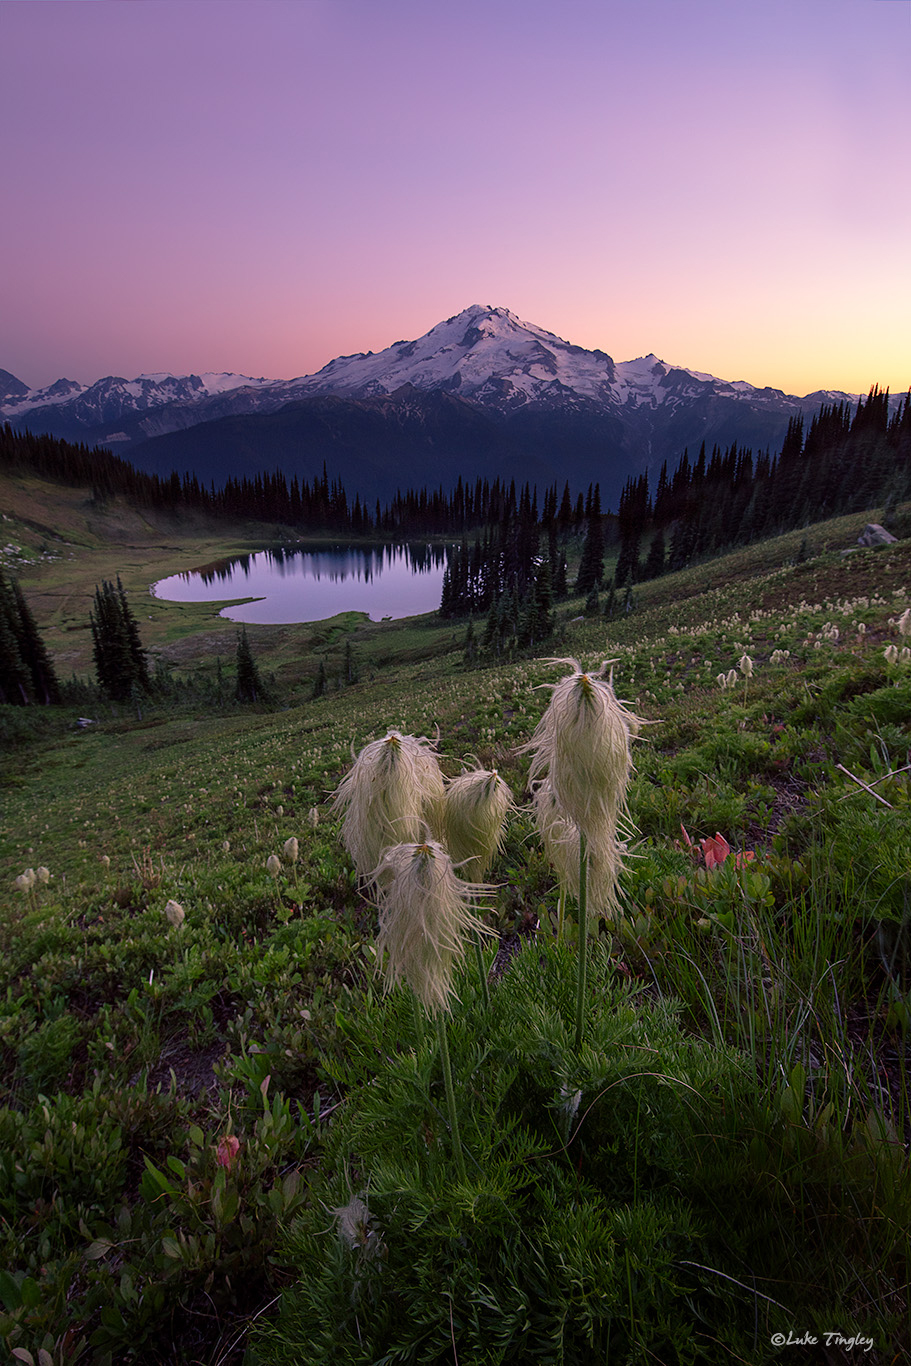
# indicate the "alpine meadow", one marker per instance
pixel 529 981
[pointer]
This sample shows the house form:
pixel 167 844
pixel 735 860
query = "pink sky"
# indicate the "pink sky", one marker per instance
pixel 259 186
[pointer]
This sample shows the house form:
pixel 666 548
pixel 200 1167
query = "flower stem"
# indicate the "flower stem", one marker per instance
pixel 583 937
pixel 561 912
pixel 450 1097
pixel 482 971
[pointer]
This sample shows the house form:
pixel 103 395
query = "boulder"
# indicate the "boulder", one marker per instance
pixel 874 534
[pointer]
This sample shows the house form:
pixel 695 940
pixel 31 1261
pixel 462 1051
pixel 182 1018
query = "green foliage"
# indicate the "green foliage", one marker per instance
pixel 26 672
pixel 637 1198
pixel 120 661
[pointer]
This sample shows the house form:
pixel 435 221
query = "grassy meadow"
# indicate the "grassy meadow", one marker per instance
pixel 220 1142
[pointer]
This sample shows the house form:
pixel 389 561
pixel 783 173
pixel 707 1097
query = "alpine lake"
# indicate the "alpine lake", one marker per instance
pixel 281 586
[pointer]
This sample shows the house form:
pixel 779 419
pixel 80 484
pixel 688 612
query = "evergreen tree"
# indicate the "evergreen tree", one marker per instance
pixel 319 683
pixel 249 686
pixel 351 669
pixel 120 661
pixel 591 566
pixel 26 672
pixel 654 565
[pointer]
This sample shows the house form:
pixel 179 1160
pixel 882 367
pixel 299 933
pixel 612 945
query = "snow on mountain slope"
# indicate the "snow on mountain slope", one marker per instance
pixel 483 354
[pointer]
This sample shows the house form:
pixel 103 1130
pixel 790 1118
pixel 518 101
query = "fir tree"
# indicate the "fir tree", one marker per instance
pixel 591 566
pixel 120 661
pixel 249 686
pixel 26 672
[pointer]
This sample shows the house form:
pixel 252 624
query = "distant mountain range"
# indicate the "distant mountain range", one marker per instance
pixel 481 394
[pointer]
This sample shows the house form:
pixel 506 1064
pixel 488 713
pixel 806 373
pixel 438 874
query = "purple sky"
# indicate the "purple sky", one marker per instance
pixel 259 186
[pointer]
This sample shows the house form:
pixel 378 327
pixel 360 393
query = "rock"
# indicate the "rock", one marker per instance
pixel 874 534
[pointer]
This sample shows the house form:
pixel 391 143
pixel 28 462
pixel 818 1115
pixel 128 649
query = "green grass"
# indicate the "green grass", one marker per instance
pixel 727 1158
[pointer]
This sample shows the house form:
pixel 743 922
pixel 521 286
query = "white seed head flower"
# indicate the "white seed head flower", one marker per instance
pixel 475 807
pixel 43 875
pixel 560 838
pixel 391 795
pixel 746 666
pixel 106 860
pixel 425 913
pixel 732 678
pixel 721 680
pixel 290 849
pixel 581 747
pixel 175 913
pixel 273 865
pixel 226 847
pixel 25 881
pixel 891 653
pixel 904 622
pixel 313 817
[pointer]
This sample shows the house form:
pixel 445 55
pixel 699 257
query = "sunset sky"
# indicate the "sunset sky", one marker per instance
pixel 259 186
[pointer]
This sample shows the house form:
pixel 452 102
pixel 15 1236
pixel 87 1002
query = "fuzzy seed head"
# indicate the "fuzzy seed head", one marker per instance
pixel 425 913
pixel 106 860
pixel 560 838
pixel 391 795
pixel 581 747
pixel 273 865
pixel 291 850
pixel 475 807
pixel 175 913
pixel 732 678
pixel 904 623
pixel 746 666
pixel 313 817
pixel 43 875
pixel 26 881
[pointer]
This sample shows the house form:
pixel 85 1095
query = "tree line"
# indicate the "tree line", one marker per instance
pixel 319 504
pixel 845 461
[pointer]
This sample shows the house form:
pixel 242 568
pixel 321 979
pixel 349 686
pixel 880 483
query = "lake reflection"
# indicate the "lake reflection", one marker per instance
pixel 310 585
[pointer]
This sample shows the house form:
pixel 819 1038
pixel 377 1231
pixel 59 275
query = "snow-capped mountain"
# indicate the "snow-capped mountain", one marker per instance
pixel 577 409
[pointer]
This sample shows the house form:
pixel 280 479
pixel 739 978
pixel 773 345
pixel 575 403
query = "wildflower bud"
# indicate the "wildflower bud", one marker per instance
pixel 226 1153
pixel 43 875
pixel 273 865
pixel 226 847
pixel 291 850
pixel 279 810
pixel 313 817
pixel 175 913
